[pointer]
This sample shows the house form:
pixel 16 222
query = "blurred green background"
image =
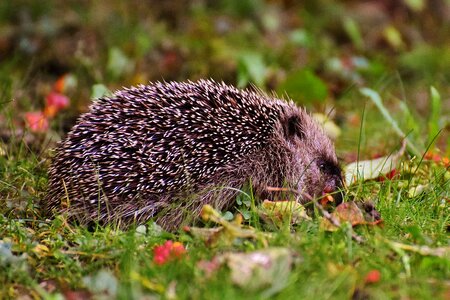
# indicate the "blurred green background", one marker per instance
pixel 317 52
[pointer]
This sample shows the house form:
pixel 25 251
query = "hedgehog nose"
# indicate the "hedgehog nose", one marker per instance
pixel 333 186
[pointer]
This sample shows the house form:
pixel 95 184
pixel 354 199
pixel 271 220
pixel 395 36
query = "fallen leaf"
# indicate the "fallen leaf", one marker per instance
pixel 345 212
pixel 263 268
pixel 230 230
pixel 372 169
pixel 268 268
pixel 210 236
pixel 417 190
pixel 350 212
pixel 279 212
pixel 41 250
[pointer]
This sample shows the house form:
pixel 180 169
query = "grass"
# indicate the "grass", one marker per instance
pixel 53 259
pixel 46 258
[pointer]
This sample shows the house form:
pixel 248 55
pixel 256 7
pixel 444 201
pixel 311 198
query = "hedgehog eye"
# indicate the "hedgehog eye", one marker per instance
pixel 293 127
pixel 328 167
pixel 322 166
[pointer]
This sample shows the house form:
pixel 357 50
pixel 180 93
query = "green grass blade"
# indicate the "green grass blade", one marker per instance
pixel 433 122
pixel 376 99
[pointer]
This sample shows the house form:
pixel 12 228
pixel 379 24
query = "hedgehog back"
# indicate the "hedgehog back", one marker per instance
pixel 153 141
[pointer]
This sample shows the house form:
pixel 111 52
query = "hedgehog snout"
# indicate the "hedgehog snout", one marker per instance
pixel 333 186
pixel 331 178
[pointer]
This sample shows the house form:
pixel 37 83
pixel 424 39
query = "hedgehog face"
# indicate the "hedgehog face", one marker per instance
pixel 331 178
pixel 315 170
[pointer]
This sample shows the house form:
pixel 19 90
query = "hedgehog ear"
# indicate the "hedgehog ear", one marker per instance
pixel 293 127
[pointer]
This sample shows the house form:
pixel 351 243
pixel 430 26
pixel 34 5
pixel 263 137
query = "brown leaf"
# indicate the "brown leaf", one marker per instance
pixel 345 212
pixel 349 212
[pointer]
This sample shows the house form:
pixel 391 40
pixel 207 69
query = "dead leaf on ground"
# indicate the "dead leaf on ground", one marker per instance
pixel 258 269
pixel 347 212
pixel 268 268
pixel 374 168
pixel 210 236
pixel 279 212
pixel 418 190
pixel 228 232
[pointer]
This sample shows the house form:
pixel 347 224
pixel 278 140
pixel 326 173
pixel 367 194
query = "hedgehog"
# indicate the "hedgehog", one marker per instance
pixel 163 150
